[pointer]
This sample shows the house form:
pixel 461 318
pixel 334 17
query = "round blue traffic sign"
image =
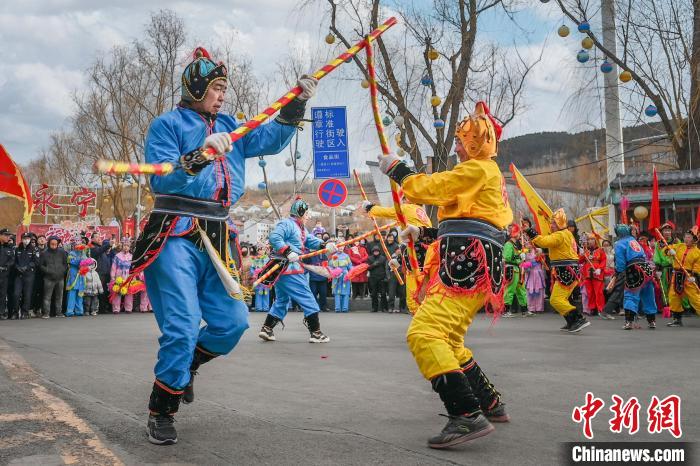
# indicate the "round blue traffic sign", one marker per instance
pixel 332 193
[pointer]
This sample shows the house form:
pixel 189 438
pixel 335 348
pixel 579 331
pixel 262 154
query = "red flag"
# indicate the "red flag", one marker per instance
pixel 13 184
pixel 655 214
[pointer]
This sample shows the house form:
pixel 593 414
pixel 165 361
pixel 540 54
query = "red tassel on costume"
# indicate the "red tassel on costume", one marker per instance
pixel 667 312
pixel 496 125
pixel 200 52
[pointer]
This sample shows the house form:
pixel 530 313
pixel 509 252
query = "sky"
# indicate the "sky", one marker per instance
pixel 48 44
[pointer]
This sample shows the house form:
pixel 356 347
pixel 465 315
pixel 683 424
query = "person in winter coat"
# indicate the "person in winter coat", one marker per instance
pixel 7 262
pixel 26 260
pixel 76 281
pixel 101 254
pixel 53 264
pixel 93 288
pixel 358 255
pixel 119 272
pixel 377 280
pixel 341 287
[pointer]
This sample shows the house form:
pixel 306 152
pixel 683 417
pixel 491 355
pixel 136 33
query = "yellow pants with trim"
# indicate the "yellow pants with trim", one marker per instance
pixel 436 334
pixel 411 287
pixel 690 291
pixel 559 299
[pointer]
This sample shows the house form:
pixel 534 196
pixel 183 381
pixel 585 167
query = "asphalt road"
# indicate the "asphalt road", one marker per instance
pixel 76 390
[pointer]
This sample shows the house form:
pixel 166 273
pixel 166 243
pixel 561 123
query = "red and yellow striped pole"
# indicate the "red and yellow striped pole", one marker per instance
pixel 386 151
pixel 376 229
pixel 257 120
pixel 109 167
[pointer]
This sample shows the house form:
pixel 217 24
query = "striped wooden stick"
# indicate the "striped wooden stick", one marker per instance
pixel 386 151
pixel 376 229
pixel 109 167
pixel 354 240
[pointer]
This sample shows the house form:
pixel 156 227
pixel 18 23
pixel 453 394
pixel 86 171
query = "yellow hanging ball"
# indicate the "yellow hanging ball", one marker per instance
pixel 433 54
pixel 240 116
pixel 330 38
pixel 641 212
pixel 124 291
pixel 364 84
pixel 397 138
pixel 435 101
pixel 119 280
pixel 625 76
pixel 563 31
pixel 587 43
pixel 115 288
pixel 266 204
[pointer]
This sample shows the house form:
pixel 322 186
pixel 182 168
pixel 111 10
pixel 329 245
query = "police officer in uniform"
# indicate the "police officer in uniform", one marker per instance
pixel 7 260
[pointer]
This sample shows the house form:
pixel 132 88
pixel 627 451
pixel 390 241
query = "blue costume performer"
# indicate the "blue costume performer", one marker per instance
pixel 638 273
pixel 262 292
pixel 184 247
pixel 75 285
pixel 289 239
pixel 341 286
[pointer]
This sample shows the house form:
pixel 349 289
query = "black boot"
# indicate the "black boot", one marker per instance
pixel 163 405
pixel 200 357
pixel 508 313
pixel 266 332
pixel 466 421
pixel 489 398
pixel 629 320
pixel 651 321
pixel 567 318
pixel 578 322
pixel 314 326
pixel 677 320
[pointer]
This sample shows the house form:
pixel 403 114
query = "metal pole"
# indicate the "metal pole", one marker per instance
pixel 333 220
pixel 614 147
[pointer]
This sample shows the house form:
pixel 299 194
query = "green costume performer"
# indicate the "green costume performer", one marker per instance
pixel 515 287
pixel 664 263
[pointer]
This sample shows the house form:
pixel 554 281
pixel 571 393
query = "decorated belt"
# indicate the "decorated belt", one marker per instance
pixel 564 263
pixel 473 228
pixel 207 209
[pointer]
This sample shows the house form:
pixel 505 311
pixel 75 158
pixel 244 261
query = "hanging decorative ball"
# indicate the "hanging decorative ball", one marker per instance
pixel 640 212
pixel 606 67
pixel 289 162
pixel 399 121
pixel 301 123
pixel 426 81
pixel 400 152
pixel 365 84
pixel 261 163
pixel 651 110
pixel 439 123
pixel 386 120
pixel 266 204
pixel 435 101
pixel 240 115
pixel 587 43
pixel 330 38
pixel 584 26
pixel 625 76
pixel 563 30
pixel 433 54
pixel 262 185
pixel 397 138
pixel 583 56
pixel 298 155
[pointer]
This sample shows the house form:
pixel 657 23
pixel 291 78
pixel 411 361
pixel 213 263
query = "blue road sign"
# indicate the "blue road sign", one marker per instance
pixel 332 193
pixel 330 142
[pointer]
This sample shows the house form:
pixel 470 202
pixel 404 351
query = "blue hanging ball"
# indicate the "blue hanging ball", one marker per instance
pixel 651 110
pixel 584 26
pixel 298 155
pixel 439 123
pixel 583 56
pixel 262 163
pixel 606 67
pixel 426 81
pixel 262 185
pixel 386 120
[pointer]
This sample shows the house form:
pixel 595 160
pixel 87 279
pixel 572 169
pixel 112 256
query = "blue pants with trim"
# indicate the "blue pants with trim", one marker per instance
pixel 74 303
pixel 641 299
pixel 342 302
pixel 184 289
pixel 294 287
pixel 262 299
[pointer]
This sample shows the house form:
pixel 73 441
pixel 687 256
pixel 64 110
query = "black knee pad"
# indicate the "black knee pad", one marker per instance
pixel 271 321
pixel 481 385
pixel 456 393
pixel 313 323
pixel 201 356
pixel 651 318
pixel 164 400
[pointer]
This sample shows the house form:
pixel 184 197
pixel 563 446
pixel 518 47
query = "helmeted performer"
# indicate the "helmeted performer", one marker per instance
pixel 631 260
pixel 513 256
pixel 465 266
pixel 185 243
pixel 416 216
pixel 662 261
pixel 563 256
pixel 593 260
pixel 290 239
pixel 684 281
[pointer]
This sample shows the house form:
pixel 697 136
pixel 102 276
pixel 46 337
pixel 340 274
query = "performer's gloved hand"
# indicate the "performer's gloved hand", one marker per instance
pixel 367 205
pixel 597 272
pixel 394 264
pixel 387 162
pixel 293 257
pixel 220 142
pixel 672 252
pixel 411 232
pixel 308 85
pixel 523 256
pixel 691 279
pixel 331 247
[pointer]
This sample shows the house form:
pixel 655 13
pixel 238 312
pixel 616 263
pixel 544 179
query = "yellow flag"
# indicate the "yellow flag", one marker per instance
pixel 597 221
pixel 539 209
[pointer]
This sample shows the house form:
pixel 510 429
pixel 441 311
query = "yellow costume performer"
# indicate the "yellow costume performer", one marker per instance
pixel 687 256
pixel 563 257
pixel 465 269
pixel 416 216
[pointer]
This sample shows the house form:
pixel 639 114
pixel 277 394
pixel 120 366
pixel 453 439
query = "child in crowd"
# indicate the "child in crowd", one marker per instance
pixel 93 288
pixel 534 279
pixel 341 286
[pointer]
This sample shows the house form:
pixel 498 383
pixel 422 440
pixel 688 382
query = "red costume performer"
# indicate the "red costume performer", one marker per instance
pixel 594 261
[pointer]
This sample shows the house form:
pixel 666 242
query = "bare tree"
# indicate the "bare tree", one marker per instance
pixel 653 46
